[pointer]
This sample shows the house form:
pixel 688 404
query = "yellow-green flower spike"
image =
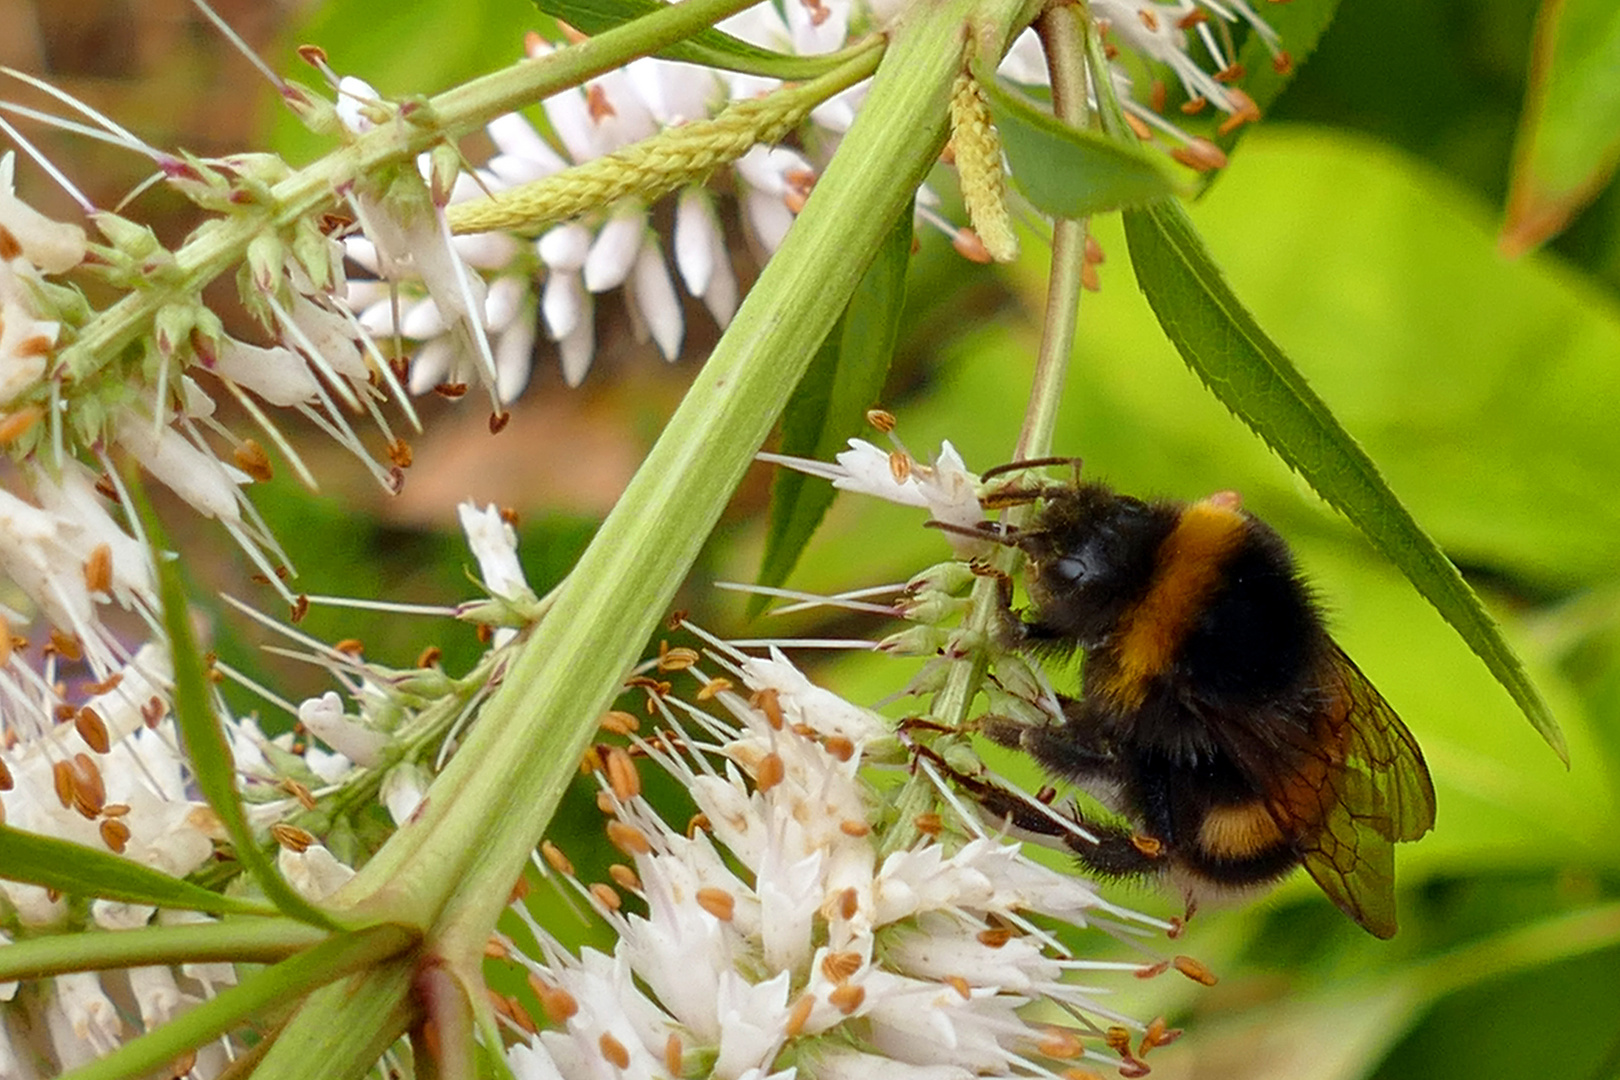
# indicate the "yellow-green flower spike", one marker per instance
pixel 979 171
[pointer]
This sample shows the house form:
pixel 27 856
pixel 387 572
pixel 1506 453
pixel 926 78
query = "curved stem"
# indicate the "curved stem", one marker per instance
pixel 1060 29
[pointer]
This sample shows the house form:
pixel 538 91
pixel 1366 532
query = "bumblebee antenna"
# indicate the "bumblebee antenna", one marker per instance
pixel 1033 463
pixel 987 530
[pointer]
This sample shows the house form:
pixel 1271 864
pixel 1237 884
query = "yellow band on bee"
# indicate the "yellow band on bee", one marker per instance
pixel 1239 832
pixel 1188 569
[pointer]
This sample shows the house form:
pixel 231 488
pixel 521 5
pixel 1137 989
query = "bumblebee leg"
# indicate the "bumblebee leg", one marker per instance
pixel 1102 848
pixel 1077 749
pixel 1117 852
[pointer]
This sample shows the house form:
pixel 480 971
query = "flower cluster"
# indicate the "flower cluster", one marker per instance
pixel 102 765
pixel 108 772
pixel 803 920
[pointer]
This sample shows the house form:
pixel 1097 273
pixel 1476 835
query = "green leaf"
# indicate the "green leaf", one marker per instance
pixel 253 941
pixel 1246 370
pixel 1066 171
pixel 275 987
pixel 829 405
pixel 710 47
pixel 1569 135
pixel 207 752
pixel 80 870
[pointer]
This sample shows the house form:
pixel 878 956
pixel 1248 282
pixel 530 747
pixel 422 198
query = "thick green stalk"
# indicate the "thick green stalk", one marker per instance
pixel 487 811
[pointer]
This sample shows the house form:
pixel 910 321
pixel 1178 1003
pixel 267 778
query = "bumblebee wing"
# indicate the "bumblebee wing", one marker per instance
pixel 1364 787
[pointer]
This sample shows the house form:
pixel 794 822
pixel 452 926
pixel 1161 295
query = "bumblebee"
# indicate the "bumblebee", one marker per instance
pixel 1216 715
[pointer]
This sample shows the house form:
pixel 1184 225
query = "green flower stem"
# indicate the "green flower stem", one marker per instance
pixel 218 246
pixel 255 940
pixel 213 764
pixel 1060 28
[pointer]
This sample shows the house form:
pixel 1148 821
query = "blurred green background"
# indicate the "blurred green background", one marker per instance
pixel 1358 222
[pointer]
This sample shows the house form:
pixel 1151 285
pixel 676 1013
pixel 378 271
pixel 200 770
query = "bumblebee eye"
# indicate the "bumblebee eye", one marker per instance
pixel 1072 568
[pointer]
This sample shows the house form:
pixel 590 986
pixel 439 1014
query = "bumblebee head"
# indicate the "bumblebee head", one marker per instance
pixel 1091 557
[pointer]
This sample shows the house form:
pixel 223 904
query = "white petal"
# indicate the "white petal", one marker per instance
pixel 314 872
pixel 759 25
pixel 721 299
pixel 120 915
pixel 770 217
pixel 628 119
pixel 53 246
pixel 866 470
pixel 803 702
pixel 8 991
pixel 487 250
pixel 277 374
pixel 516 138
pixel 1025 62
pixel 377 319
pixel 194 400
pixel 332 335
pixel 532 1062
pixel 699 242
pixel 157 995
pixel 200 479
pixel 431 365
pixel 752 1017
pixel 72 496
pixel 514 356
pixel 35 906
pixel 353 95
pixel 565 304
pixel 565 247
pixel 837 113
pixel 655 298
pixel 93 1016
pixel 325 718
pixel 578 347
pixel 766 167
pixel 422 320
pixel 810 37
pixel 847 1063
pixel 505 301
pixel 571 120
pixel 613 255
pixel 364 252
pixel 402 790
pixel 494 544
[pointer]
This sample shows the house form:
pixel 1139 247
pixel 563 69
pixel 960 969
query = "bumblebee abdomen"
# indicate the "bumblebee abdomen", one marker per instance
pixel 1240 845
